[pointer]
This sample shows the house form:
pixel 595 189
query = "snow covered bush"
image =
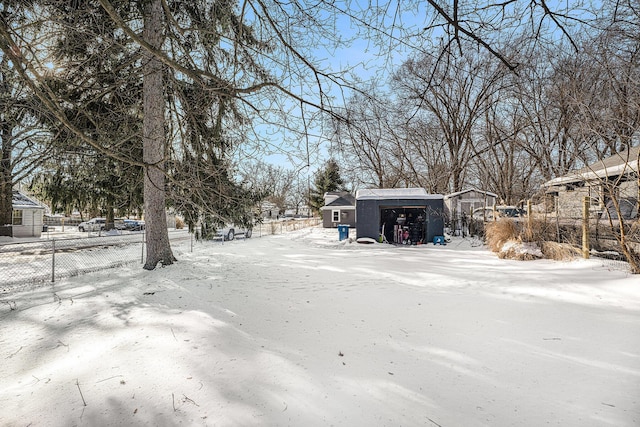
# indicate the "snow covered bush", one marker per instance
pixel 523 251
pixel 526 240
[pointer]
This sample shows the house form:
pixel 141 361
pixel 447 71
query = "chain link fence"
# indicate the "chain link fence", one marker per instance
pixel 47 260
pixel 25 264
pixel 285 226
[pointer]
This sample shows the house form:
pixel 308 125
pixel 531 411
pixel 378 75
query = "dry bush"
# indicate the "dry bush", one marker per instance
pixel 537 230
pixel 179 223
pixel 559 251
pixel 526 240
pixel 634 230
pixel 499 232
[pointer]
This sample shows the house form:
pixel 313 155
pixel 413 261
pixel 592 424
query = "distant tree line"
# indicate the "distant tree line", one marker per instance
pixel 500 114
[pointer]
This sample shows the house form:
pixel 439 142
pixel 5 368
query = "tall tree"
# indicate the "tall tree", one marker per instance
pixel 455 95
pixel 22 140
pixel 364 138
pixel 153 140
pixel 206 61
pixel 326 180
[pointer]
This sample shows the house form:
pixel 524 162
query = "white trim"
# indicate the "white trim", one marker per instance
pixel 487 193
pixel 342 207
pixel 396 193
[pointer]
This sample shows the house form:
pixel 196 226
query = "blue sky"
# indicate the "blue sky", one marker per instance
pixel 367 55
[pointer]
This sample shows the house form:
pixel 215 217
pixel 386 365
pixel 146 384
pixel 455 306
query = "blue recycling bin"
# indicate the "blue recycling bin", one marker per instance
pixel 343 231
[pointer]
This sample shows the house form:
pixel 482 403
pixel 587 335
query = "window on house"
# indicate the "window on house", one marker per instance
pixel 17 217
pixel 335 216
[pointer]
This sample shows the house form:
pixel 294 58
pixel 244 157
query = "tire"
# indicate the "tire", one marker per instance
pixel 247 234
pixel 230 235
pixel 81 229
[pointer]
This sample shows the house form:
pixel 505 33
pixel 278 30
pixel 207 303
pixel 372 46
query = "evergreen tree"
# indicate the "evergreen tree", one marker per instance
pixel 326 180
pixel 156 103
pixel 207 75
pixel 22 140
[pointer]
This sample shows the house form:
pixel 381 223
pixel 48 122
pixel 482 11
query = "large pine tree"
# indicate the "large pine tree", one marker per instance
pixel 326 180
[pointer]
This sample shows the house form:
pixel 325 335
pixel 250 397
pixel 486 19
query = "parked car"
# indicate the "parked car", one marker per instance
pixel 94 224
pixel 133 225
pixel 229 232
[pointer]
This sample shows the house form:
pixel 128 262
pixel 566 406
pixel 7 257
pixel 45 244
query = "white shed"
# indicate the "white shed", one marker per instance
pixel 27 218
pixel 464 202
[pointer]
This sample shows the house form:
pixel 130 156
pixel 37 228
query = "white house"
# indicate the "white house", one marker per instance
pixel 269 210
pixel 27 217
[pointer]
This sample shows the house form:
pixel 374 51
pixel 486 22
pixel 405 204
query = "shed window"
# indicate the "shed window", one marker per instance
pixel 17 217
pixel 335 216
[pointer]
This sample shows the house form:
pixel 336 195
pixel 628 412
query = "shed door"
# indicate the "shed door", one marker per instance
pixel 404 224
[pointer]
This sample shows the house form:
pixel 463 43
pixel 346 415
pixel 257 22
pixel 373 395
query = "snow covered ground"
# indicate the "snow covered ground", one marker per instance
pixel 303 330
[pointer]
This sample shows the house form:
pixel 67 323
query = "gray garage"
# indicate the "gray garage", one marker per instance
pixel 400 215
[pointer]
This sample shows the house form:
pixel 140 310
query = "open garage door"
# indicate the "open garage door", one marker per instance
pixel 404 224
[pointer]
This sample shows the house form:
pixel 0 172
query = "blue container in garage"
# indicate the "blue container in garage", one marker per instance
pixel 343 231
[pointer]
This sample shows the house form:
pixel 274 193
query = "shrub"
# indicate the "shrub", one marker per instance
pixel 559 251
pixel 179 223
pixel 499 232
pixel 526 240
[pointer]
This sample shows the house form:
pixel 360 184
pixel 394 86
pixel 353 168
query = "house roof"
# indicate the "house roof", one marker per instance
pixel 345 200
pixel 458 193
pixel 619 164
pixel 396 193
pixel 22 201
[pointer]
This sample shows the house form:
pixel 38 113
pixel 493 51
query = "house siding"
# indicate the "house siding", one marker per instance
pixel 32 221
pixel 569 199
pixel 346 216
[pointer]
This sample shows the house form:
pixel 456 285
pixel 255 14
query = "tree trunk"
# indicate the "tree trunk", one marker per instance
pixel 6 181
pixel 6 168
pixel 158 246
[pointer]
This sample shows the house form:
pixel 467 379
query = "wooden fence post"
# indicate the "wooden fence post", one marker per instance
pixel 585 228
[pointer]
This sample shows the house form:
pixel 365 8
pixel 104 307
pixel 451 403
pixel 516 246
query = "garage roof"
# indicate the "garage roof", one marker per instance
pixel 396 193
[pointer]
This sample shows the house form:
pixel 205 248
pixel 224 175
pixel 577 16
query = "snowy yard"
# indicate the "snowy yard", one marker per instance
pixel 303 330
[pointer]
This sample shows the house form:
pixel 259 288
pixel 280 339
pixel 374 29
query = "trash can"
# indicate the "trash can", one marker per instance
pixel 439 240
pixel 343 231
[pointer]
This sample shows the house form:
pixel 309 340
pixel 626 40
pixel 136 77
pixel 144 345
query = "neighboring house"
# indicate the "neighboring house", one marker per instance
pixel 304 211
pixel 27 216
pixel 617 173
pixel 400 215
pixel 269 210
pixel 466 201
pixel 339 208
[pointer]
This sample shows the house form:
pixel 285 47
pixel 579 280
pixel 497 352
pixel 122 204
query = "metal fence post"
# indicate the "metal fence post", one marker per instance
pixel 142 246
pixel 53 260
pixel 585 228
